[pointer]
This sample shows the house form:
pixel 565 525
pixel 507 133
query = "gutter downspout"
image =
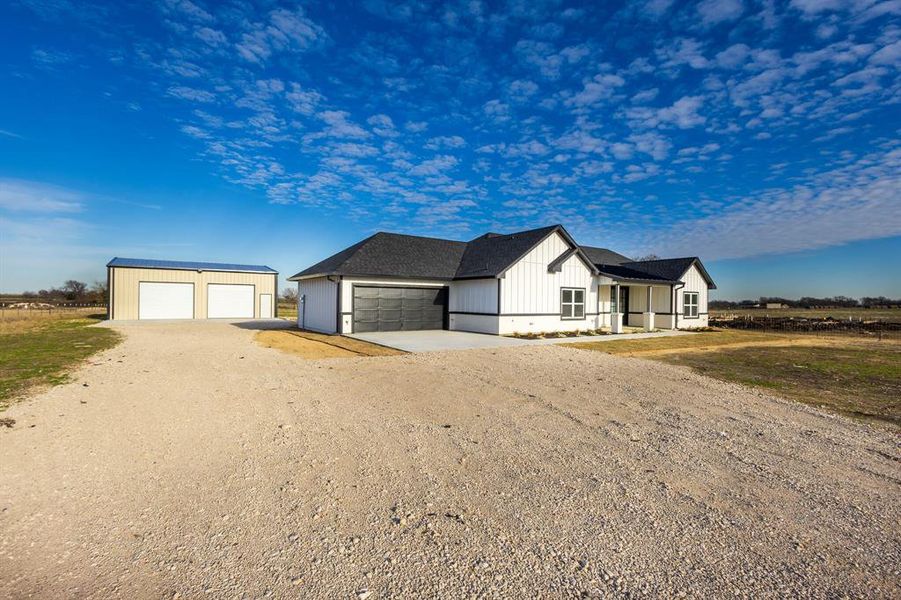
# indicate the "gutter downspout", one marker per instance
pixel 676 304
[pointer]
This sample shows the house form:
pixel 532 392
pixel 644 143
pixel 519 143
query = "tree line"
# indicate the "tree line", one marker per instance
pixel 71 290
pixel 810 302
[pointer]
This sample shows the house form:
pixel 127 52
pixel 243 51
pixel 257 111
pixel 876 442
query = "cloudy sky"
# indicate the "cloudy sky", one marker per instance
pixel 760 135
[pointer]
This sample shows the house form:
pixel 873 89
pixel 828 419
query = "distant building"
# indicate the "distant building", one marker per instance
pixel 775 305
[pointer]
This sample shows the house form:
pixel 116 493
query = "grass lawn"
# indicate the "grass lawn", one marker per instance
pixel 287 311
pixel 853 376
pixel 40 349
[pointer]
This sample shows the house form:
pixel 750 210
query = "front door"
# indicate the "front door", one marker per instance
pixel 623 306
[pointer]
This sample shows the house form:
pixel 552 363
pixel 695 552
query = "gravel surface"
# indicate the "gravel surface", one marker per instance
pixel 189 462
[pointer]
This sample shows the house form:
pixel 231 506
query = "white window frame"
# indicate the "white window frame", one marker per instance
pixel 689 307
pixel 572 310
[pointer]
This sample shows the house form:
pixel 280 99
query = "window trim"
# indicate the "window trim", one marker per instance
pixel 696 304
pixel 573 303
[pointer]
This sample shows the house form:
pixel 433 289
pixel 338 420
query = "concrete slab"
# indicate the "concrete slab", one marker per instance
pixel 435 341
pixel 432 341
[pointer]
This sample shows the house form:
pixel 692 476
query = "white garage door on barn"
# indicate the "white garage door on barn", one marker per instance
pixel 165 300
pixel 229 301
pixel 146 288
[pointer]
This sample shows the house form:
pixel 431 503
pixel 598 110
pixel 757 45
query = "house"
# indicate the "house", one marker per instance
pixel 530 281
pixel 166 289
pixel 776 305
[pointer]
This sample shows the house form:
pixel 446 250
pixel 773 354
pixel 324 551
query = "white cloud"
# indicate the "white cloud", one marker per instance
pixel 191 94
pixel 734 56
pixel 683 51
pixel 888 55
pixel 435 166
pixel 600 87
pixel 683 113
pixel 656 8
pixel 211 37
pixel 713 12
pixel 28 196
pixel 857 201
pixel 445 141
pixel 283 30
pixel 302 100
pixel 338 125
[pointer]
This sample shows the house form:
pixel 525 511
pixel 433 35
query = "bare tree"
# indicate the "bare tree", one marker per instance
pixel 649 257
pixel 289 294
pixel 99 291
pixel 74 289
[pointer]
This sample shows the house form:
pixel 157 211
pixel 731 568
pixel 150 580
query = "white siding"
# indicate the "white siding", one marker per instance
pixel 694 282
pixel 347 294
pixel 318 311
pixel 474 295
pixel 530 295
pixel 528 287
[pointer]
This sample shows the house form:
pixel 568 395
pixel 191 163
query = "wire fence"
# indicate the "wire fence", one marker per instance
pixel 853 326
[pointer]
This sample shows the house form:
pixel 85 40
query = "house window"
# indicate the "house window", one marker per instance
pixel 572 303
pixel 690 305
pixel 613 300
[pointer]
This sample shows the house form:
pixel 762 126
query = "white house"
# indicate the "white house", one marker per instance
pixel 531 281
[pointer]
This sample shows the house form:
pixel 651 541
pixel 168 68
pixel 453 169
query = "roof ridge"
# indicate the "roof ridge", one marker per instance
pixel 420 237
pixel 664 259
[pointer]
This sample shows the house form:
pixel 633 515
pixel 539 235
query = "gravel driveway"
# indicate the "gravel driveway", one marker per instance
pixel 189 462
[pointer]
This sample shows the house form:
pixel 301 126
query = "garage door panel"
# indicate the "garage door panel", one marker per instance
pixel 398 308
pixel 230 301
pixel 165 300
pixel 366 303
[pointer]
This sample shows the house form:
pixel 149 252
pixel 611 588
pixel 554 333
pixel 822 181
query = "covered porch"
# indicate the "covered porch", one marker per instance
pixel 626 304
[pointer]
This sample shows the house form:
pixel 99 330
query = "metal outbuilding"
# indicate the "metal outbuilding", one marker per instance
pixel 167 289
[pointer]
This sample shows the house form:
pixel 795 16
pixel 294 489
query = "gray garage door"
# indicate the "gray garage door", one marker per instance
pixel 398 308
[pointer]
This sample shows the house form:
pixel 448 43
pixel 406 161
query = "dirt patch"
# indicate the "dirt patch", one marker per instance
pixel 310 345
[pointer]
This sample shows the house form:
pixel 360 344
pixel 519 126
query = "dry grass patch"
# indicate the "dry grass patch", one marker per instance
pixel 40 349
pixel 310 345
pixel 853 376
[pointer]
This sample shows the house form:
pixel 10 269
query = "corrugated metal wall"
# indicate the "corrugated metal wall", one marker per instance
pixel 319 310
pixel 125 282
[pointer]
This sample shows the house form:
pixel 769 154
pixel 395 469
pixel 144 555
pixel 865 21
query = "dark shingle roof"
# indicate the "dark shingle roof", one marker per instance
pixel 626 273
pixel 603 256
pixel 393 255
pixel 149 263
pixel 413 257
pixel 491 254
pixel 670 268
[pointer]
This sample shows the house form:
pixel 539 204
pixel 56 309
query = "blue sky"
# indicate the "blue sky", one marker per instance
pixel 762 136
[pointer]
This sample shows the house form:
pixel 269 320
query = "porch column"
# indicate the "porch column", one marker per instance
pixel 649 314
pixel 616 318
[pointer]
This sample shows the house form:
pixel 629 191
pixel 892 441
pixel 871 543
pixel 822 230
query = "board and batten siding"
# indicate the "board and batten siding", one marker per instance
pixel 318 312
pixel 530 294
pixel 473 305
pixel 474 296
pixel 125 283
pixel 660 305
pixel 694 282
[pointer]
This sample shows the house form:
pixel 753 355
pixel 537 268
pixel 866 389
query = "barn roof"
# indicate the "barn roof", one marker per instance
pixel 151 263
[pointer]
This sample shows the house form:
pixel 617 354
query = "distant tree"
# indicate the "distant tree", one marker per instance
pixel 98 292
pixel 649 257
pixel 74 289
pixel 289 295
